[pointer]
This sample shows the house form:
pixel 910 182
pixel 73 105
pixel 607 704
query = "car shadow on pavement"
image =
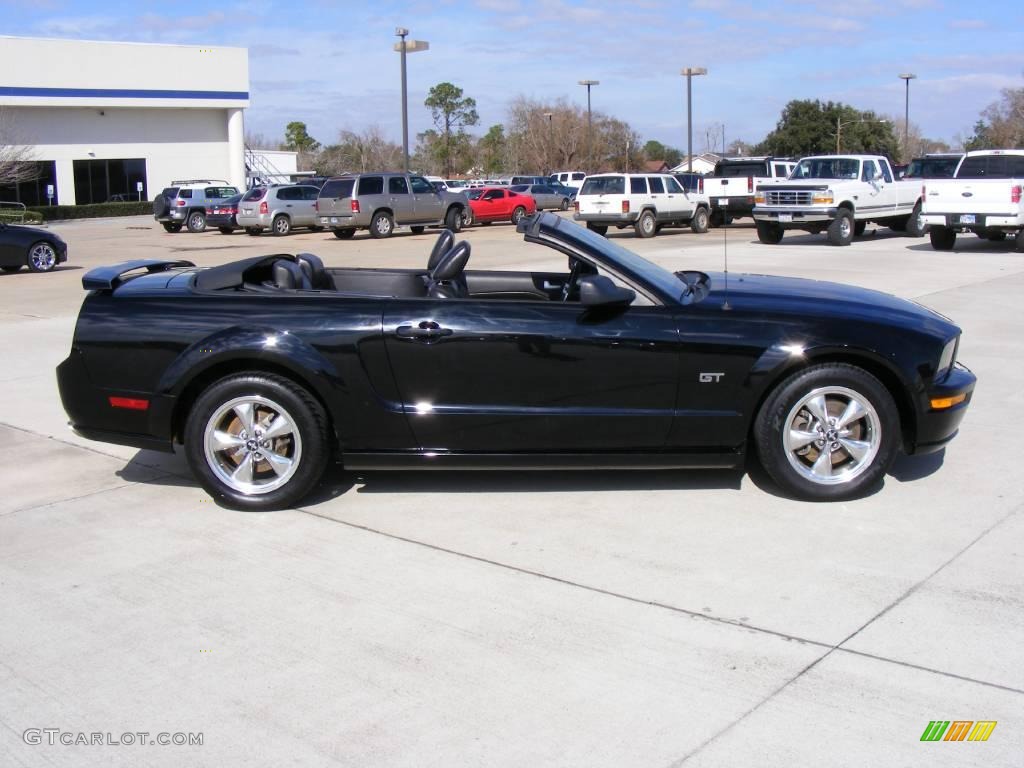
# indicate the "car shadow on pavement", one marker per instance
pixel 906 469
pixel 974 245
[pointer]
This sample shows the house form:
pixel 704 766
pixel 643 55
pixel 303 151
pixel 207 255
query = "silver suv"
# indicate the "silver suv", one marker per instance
pixel 279 208
pixel 186 202
pixel 381 201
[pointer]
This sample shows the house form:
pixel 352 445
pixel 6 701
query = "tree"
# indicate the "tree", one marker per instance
pixel 16 159
pixel 811 127
pixel 912 143
pixel 492 151
pixel 452 113
pixel 1001 124
pixel 359 153
pixel 655 150
pixel 297 138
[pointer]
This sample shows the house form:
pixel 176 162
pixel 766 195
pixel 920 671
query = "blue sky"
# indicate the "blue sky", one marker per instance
pixel 331 65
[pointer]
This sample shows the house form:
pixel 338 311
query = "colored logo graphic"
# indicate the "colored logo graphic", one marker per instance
pixel 958 730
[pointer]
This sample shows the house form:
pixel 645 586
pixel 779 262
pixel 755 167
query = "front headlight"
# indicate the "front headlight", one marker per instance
pixel 759 198
pixel 947 358
pixel 823 198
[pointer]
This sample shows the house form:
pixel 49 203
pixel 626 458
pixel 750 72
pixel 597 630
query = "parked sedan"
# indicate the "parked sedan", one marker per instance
pixel 279 208
pixel 35 248
pixel 544 195
pixel 500 204
pixel 224 215
pixel 268 368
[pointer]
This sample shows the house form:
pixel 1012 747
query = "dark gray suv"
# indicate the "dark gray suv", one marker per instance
pixel 381 201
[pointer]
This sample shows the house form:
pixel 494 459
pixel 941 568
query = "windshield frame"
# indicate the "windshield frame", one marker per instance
pixel 821 162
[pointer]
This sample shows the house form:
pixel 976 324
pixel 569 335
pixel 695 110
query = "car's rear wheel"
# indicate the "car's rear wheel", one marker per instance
pixel 769 233
pixel 196 221
pixel 344 234
pixel 840 231
pixel 382 224
pixel 943 238
pixel 601 229
pixel 518 214
pixel 418 230
pixel 225 230
pixel 699 223
pixel 564 205
pixel 453 219
pixel 467 217
pixel 281 225
pixel 915 224
pixel 257 441
pixel 170 226
pixel 646 225
pixel 828 432
pixel 42 257
pixel 253 231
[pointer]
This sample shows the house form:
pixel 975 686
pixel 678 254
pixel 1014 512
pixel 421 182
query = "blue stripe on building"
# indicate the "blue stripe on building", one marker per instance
pixel 119 93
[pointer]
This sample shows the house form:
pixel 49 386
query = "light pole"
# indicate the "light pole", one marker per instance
pixel 404 47
pixel 839 127
pixel 906 76
pixel 550 141
pixel 689 73
pixel 590 126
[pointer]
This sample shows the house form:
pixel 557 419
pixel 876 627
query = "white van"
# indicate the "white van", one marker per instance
pixel 568 178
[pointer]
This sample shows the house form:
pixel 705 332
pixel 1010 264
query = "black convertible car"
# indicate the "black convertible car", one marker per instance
pixel 269 367
pixel 35 248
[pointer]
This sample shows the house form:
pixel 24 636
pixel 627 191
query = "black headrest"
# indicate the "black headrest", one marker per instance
pixel 444 243
pixel 288 274
pixel 452 263
pixel 313 267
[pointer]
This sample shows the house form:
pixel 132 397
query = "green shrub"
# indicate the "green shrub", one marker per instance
pixel 94 211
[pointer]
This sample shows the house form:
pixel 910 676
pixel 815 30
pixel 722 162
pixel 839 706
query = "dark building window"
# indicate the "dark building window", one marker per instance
pixel 101 181
pixel 31 190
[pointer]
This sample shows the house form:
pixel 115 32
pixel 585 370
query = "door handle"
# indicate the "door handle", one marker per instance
pixel 427 330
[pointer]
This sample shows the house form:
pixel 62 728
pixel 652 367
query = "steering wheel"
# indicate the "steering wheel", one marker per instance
pixel 570 283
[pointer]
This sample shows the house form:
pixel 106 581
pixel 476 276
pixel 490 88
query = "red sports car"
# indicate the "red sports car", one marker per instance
pixel 500 204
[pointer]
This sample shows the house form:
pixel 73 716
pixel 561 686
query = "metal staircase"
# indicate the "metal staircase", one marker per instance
pixel 259 170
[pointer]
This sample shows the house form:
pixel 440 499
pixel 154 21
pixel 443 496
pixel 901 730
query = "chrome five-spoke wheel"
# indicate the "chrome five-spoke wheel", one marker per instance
pixel 832 435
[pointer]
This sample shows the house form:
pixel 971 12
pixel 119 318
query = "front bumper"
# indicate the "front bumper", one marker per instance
pixel 607 218
pixel 935 428
pixel 794 217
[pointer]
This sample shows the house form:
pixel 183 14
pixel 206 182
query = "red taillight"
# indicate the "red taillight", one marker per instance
pixel 625 206
pixel 576 205
pixel 355 206
pixel 924 192
pixel 180 203
pixel 1015 194
pixel 131 403
pixel 264 208
pixel 700 186
pixel 750 185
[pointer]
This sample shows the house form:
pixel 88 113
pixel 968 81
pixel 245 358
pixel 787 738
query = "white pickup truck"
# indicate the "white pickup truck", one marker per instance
pixel 838 194
pixel 731 186
pixel 983 197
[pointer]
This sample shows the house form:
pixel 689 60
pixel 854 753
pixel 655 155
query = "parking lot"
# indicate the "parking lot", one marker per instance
pixel 522 618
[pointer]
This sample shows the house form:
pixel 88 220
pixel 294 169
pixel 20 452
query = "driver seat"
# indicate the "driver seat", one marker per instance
pixel 446 280
pixel 444 243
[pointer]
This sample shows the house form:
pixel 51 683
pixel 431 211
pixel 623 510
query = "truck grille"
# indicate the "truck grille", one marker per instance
pixel 788 197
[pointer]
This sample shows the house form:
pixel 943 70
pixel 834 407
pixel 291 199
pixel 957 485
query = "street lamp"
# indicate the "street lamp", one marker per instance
pixel 590 128
pixel 404 47
pixel 839 127
pixel 689 73
pixel 550 140
pixel 906 76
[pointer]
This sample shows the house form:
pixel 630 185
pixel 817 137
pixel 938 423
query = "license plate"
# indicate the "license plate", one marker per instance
pixel 247 210
pixel 723 201
pixel 785 217
pixel 967 218
pixel 334 220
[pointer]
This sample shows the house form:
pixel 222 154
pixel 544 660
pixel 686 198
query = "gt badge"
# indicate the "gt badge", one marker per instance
pixel 710 378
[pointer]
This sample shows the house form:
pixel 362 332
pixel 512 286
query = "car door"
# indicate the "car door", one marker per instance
pixel 679 201
pixel 490 375
pixel 544 196
pixel 429 207
pixel 12 245
pixel 492 202
pixel 308 202
pixel 881 194
pixel 401 199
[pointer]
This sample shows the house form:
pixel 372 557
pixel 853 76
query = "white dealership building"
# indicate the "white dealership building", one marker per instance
pixel 111 121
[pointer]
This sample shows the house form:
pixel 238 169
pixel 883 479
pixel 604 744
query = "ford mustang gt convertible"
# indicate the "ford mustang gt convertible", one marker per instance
pixel 268 368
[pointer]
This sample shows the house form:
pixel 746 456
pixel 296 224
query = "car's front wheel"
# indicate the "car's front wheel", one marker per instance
pixel 915 224
pixel 769 233
pixel 42 257
pixel 257 441
pixel 828 432
pixel 196 222
pixel 453 219
pixel 840 231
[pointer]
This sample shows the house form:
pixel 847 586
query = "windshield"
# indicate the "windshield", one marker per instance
pixel 827 168
pixel 604 185
pixel 474 194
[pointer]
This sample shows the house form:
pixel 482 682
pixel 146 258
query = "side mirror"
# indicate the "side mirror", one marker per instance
pixel 600 291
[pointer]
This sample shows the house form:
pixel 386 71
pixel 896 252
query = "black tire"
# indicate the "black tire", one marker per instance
pixel 916 227
pixel 716 219
pixel 382 224
pixel 943 238
pixel 518 214
pixel 453 219
pixel 646 224
pixel 316 228
pixel 344 234
pixel 307 443
pixel 225 230
pixel 900 224
pixel 161 205
pixel 859 227
pixel 170 226
pixel 769 233
pixel 806 471
pixel 601 229
pixel 564 205
pixel 995 237
pixel 41 257
pixel 467 217
pixel 281 225
pixel 12 268
pixel 253 231
pixel 196 222
pixel 699 223
pixel 840 231
pixel 418 229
